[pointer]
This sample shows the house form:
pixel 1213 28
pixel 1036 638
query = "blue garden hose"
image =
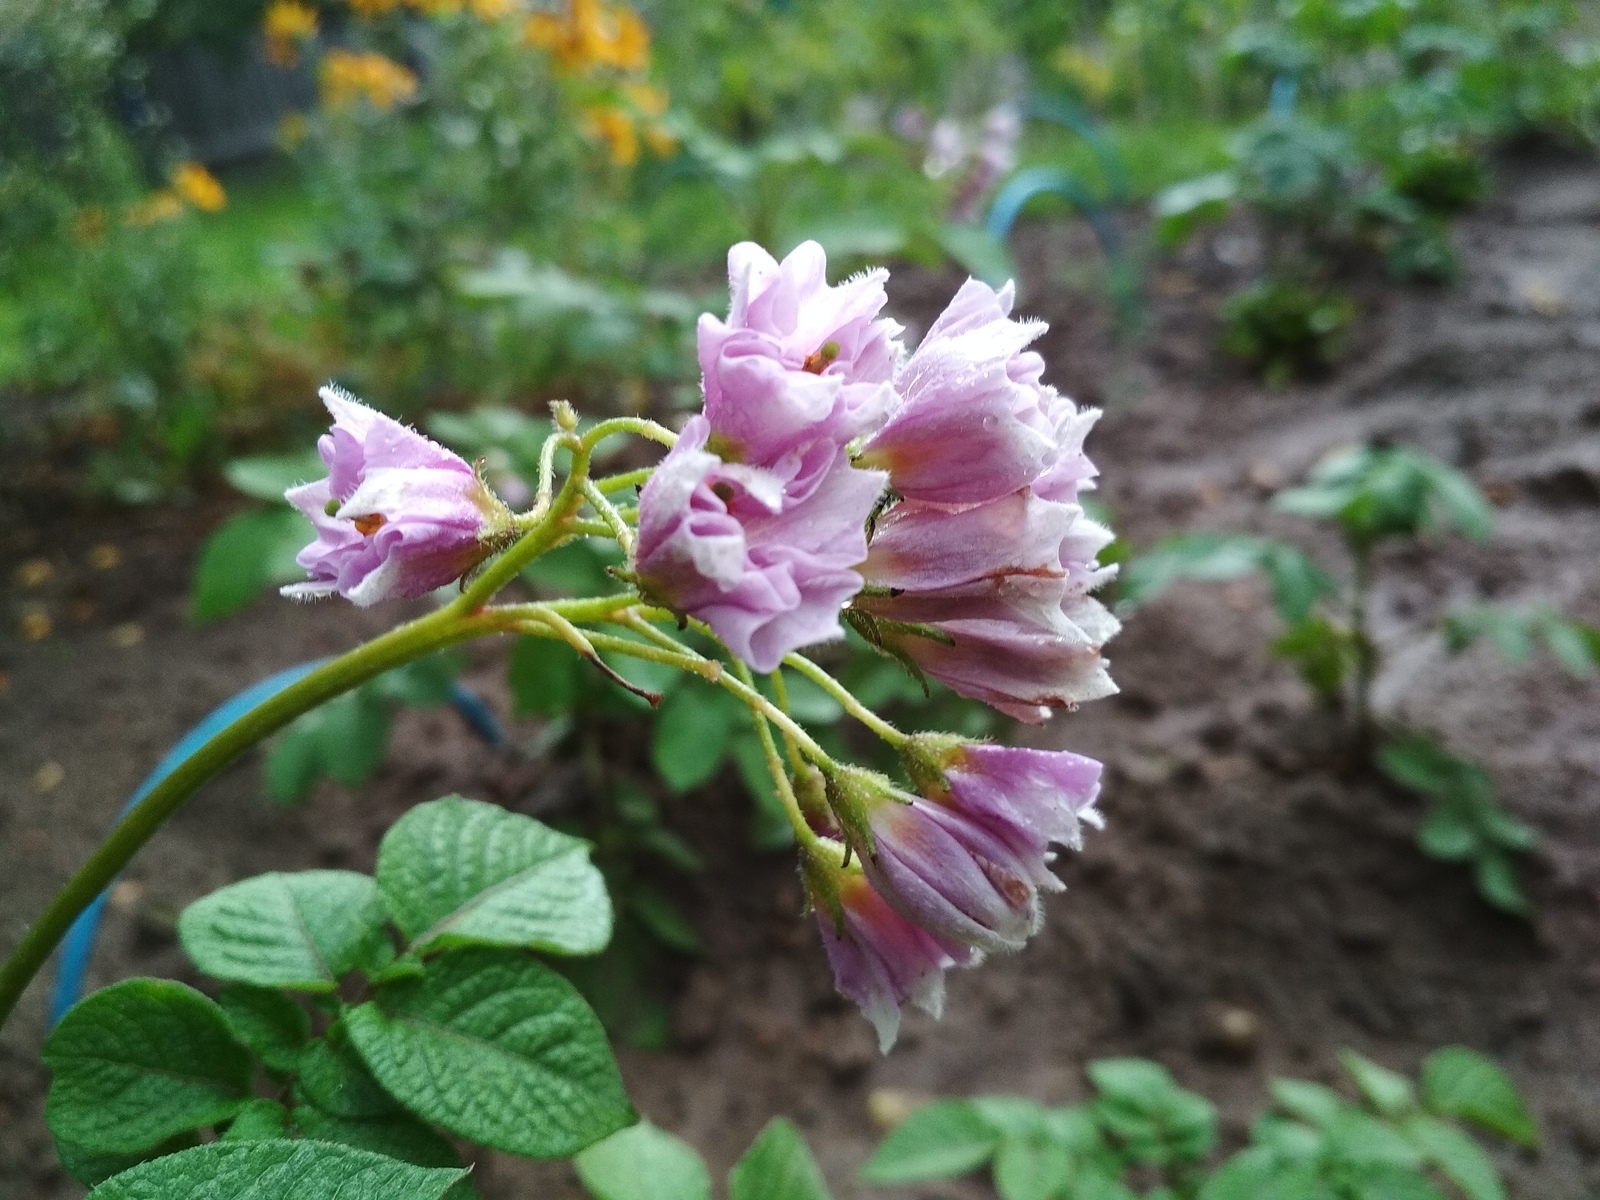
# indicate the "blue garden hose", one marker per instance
pixel 78 945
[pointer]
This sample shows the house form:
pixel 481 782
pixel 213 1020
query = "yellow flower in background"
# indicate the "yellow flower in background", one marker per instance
pixel 1092 74
pixel 285 25
pixel 492 10
pixel 373 8
pixel 435 8
pixel 199 187
pixel 348 77
pixel 590 35
pixel 614 126
pixel 647 99
pixel 154 208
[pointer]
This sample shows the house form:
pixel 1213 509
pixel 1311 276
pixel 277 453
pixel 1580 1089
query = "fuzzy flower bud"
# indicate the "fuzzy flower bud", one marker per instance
pixel 880 960
pixel 397 516
pixel 974 421
pixel 764 559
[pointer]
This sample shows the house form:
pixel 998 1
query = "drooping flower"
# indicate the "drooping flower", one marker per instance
pixel 993 600
pixel 973 421
pixel 764 556
pixel 397 516
pixel 880 960
pixel 798 366
pixel 966 861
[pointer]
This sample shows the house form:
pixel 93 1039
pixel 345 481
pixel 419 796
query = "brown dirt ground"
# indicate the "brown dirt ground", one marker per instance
pixel 1248 862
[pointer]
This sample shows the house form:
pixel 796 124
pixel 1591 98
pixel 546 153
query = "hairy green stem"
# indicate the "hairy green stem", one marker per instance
pixel 615 525
pixel 549 528
pixel 847 698
pixel 780 777
pixel 780 692
pixel 401 645
pixel 642 426
pixel 627 479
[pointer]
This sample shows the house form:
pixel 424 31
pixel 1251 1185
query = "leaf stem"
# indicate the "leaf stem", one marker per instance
pixel 642 426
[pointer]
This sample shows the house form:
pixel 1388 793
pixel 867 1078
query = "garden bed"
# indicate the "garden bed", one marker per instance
pixel 1256 901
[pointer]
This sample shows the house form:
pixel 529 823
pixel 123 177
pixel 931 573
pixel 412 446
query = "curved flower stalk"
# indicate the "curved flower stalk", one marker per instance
pixel 934 505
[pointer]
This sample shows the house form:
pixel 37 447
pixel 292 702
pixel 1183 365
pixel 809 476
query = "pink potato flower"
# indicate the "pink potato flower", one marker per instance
pixel 397 516
pixel 973 421
pixel 966 860
pixel 993 601
pixel 880 960
pixel 767 561
pixel 797 362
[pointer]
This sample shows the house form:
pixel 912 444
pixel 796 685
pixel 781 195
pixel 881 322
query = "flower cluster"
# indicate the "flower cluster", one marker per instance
pixel 929 501
pixel 285 25
pixel 192 184
pixel 977 569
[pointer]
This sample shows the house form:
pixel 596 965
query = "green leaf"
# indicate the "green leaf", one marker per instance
pixel 1389 1093
pixel 778 1166
pixel 268 476
pixel 662 918
pixel 1496 877
pixel 90 1167
pixel 398 1135
pixel 425 683
pixel 643 1162
pixel 1321 651
pixel 1032 1167
pixel 333 1078
pixel 353 735
pixel 1448 833
pixel 276 1170
pixel 1463 1083
pixel 691 736
pixel 1309 1101
pixel 294 761
pixel 1466 507
pixel 1014 1115
pixel 496 1048
pixel 1358 1137
pixel 1290 1140
pixel 457 871
pixel 1205 556
pixel 546 677
pixel 1156 1120
pixel 137 1062
pixel 1297 582
pixel 274 1027
pixel 978 252
pixel 1258 1174
pixel 259 1121
pixel 302 931
pixel 1460 1159
pixel 247 554
pixel 937 1141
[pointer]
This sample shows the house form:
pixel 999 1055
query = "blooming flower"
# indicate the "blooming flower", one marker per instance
pixel 284 25
pixel 590 36
pixel 349 77
pixel 798 364
pixel 199 187
pixel 974 422
pixel 397 516
pixel 880 960
pixel 966 861
pixel 993 599
pixel 764 556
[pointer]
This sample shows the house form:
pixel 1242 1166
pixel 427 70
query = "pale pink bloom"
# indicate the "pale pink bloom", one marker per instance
pixel 397 516
pixel 797 362
pixel 767 561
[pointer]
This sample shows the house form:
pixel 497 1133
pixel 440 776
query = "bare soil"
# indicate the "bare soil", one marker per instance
pixel 1251 863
